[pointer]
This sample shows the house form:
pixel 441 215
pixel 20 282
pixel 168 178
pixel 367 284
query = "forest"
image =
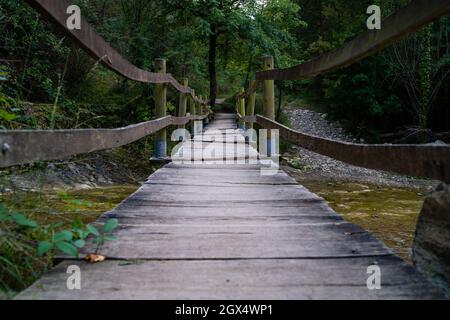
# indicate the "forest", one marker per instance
pixel 399 95
pixel 218 45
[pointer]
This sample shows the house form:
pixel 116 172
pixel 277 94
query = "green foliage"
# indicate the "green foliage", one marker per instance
pixel 66 241
pixel 70 241
pixel 18 257
pixel 16 218
pixel 25 38
pixel 359 99
pixel 297 163
pixel 81 93
pixel 23 241
pixel 104 234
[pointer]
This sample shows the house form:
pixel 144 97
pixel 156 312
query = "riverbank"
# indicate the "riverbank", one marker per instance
pixel 386 204
pixel 56 196
pixel 317 167
pixel 119 166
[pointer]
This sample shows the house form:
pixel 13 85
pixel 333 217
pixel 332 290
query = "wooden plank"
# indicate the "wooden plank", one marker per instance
pixel 289 279
pixel 256 167
pixel 227 145
pixel 27 146
pixel 217 145
pixel 135 202
pixel 234 193
pixel 216 177
pixel 260 240
pixel 221 216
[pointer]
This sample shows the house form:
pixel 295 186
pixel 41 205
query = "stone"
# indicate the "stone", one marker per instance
pixel 431 249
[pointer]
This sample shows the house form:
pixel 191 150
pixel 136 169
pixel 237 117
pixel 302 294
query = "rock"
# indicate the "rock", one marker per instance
pixel 431 249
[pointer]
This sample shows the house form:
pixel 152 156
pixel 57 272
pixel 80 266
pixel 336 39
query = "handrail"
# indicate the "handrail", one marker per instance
pixel 431 161
pixel 398 25
pixel 27 146
pixel 422 160
pixel 99 49
pixel 242 118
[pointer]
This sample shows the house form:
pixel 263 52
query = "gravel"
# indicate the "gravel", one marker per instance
pixel 99 169
pixel 316 166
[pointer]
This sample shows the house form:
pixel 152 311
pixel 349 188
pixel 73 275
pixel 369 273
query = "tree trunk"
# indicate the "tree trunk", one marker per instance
pixel 212 65
pixel 280 101
pixel 425 77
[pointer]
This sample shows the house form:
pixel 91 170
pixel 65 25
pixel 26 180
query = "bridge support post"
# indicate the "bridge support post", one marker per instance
pixel 160 97
pixel 269 100
pixel 205 111
pixel 200 106
pixel 192 112
pixel 198 127
pixel 241 107
pixel 251 106
pixel 182 108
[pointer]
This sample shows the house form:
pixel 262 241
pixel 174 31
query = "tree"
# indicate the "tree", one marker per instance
pixel 215 19
pixel 422 68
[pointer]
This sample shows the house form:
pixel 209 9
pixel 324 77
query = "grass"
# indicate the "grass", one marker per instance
pixel 389 213
pixel 20 264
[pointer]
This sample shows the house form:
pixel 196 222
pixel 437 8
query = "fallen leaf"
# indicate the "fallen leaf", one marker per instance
pixel 94 258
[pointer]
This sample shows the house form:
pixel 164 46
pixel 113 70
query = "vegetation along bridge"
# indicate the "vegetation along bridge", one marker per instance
pixel 218 222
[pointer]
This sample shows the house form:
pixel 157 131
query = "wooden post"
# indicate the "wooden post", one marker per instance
pixel 200 106
pixel 198 125
pixel 269 91
pixel 182 108
pixel 242 110
pixel 206 111
pixel 269 100
pixel 160 97
pixel 251 106
pixel 193 112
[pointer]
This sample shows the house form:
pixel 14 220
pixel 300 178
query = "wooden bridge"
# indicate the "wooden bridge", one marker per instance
pixel 208 231
pixel 218 222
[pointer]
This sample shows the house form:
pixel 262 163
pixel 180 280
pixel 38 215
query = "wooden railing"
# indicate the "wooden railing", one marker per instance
pixel 399 25
pixel 27 146
pixel 99 49
pixel 430 161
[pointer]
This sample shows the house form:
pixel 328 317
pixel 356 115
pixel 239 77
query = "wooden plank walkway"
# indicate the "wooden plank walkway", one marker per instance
pixel 224 231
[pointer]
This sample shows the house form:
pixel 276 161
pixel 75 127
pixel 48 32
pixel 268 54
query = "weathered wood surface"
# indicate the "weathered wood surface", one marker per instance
pixel 224 231
pixel 422 160
pixel 28 146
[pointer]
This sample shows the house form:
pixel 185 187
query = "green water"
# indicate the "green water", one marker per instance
pixel 389 213
pixel 48 207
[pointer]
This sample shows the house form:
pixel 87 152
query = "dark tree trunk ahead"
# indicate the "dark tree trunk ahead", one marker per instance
pixel 212 65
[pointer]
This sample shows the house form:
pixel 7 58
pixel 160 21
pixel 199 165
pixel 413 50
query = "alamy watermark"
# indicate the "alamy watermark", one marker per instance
pixel 374 20
pixel 221 147
pixel 374 279
pixel 74 280
pixel 73 22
